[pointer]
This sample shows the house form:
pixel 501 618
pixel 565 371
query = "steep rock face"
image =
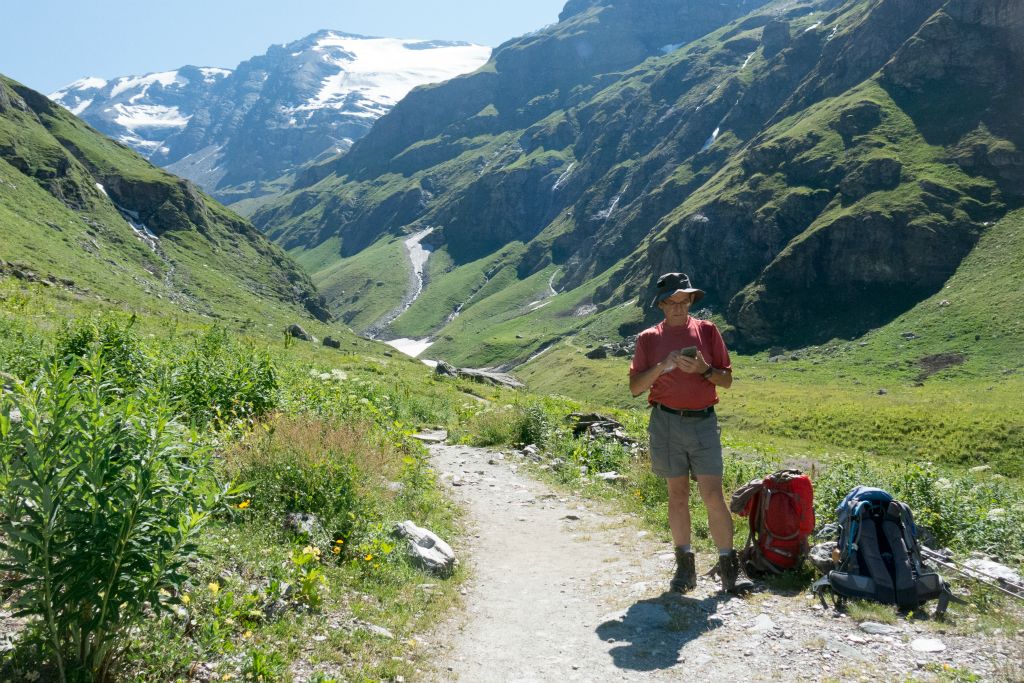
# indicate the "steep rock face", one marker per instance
pixel 234 131
pixel 857 273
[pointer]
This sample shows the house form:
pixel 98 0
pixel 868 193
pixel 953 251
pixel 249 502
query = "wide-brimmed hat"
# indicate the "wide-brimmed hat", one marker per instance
pixel 671 283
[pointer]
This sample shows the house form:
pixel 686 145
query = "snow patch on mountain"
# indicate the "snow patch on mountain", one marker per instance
pixel 384 70
pixel 149 116
pixel 141 84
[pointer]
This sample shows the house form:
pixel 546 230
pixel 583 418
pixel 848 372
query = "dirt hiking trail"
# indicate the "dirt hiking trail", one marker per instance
pixel 564 590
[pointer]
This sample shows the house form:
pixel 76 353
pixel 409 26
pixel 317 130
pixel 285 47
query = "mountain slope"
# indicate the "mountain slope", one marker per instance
pixel 82 211
pixel 452 154
pixel 234 132
pixel 819 167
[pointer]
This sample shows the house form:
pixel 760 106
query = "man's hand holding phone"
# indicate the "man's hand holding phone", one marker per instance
pixel 690 360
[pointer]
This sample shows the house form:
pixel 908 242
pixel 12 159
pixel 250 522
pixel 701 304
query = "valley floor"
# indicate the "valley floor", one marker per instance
pixel 563 590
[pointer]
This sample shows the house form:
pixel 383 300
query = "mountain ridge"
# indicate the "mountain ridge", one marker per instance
pixel 237 131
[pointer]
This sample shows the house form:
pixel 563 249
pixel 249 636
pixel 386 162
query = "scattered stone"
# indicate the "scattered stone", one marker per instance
pixel 762 624
pixel 909 335
pixel 821 556
pixel 876 629
pixel 610 476
pixel 980 468
pixel 426 547
pixel 360 625
pixel 944 302
pixel 572 518
pixel 332 342
pixel 882 392
pixel 432 436
pixel 927 645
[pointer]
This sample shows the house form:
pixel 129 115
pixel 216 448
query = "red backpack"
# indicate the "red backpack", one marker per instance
pixel 780 515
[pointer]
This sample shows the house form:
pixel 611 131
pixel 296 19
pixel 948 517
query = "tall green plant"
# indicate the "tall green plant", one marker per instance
pixel 218 381
pixel 102 495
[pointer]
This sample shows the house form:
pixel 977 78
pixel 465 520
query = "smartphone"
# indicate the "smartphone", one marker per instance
pixel 690 351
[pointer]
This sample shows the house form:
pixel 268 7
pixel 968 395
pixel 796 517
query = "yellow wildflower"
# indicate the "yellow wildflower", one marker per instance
pixel 336 550
pixel 368 557
pixel 247 635
pixel 186 598
pixel 244 504
pixel 214 587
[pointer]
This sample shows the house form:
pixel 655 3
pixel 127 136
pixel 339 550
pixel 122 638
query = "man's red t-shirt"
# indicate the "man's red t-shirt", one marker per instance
pixel 678 389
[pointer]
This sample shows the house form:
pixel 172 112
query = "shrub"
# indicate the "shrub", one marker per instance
pixel 102 495
pixel 125 363
pixel 21 352
pixel 216 381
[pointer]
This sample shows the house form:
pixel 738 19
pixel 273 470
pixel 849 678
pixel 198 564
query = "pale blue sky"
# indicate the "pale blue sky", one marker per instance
pixel 46 44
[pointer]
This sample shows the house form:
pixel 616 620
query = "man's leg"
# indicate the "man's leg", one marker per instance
pixel 679 509
pixel 719 518
pixel 720 524
pixel 685 578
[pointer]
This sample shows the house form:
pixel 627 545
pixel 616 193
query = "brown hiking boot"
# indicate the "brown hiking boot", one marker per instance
pixel 729 569
pixel 685 578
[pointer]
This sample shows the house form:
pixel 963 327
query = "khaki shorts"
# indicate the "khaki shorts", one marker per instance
pixel 681 446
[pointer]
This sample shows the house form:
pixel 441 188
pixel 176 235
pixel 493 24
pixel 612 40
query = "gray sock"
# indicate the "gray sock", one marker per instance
pixel 683 548
pixel 724 552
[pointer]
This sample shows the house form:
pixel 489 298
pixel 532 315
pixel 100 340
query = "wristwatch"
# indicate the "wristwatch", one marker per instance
pixel 707 373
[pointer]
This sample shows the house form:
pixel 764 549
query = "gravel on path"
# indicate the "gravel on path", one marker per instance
pixel 565 590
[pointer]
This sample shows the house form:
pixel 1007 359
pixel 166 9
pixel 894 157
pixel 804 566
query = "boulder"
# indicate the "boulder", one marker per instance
pixel 427 548
pixel 821 556
pixel 484 376
pixel 598 426
pixel 446 369
pixel 296 331
pixel 302 523
pixel 858 119
pixel 332 342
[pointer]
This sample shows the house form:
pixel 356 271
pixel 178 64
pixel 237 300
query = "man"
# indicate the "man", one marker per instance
pixel 683 381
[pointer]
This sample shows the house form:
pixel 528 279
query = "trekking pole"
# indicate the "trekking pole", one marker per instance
pixel 1015 589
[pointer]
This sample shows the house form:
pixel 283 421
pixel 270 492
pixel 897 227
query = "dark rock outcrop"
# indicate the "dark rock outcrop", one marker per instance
pixel 296 331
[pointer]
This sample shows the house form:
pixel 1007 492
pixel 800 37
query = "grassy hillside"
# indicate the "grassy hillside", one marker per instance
pixel 89 215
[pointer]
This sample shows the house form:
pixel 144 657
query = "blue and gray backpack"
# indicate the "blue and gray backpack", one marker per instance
pixel 880 556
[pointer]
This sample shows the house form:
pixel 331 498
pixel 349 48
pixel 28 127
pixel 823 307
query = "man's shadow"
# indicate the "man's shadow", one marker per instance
pixel 656 629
